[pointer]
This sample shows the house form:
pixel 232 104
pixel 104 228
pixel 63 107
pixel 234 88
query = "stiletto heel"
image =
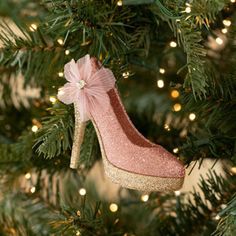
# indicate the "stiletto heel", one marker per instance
pixel 78 138
pixel 129 158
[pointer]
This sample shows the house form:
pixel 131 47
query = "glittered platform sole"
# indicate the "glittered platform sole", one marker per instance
pixel 135 181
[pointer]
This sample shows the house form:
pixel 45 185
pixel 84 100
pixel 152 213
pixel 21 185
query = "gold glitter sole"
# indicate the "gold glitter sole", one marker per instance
pixel 136 181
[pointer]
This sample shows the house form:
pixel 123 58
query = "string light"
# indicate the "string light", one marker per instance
pixel 174 93
pixel 82 191
pixel 227 22
pixel 233 170
pixel 177 193
pixel 192 116
pixel 177 107
pixel 167 127
pixel 32 190
pixel 113 207
pixel 126 74
pixel 60 74
pixel 145 197
pixel 34 128
pixel 52 99
pixel 224 31
pixel 173 44
pixel 223 206
pixel 67 52
pixel 78 233
pixel 175 150
pixel 160 83
pixel 233 1
pixel 219 41
pixel 60 41
pixel 116 221
pixel 27 175
pixel 78 213
pixel 217 217
pixel 188 9
pixel 33 27
pixel 119 3
pixel 162 70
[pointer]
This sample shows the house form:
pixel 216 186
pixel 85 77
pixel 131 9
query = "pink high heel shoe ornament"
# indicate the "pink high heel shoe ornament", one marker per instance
pixel 129 158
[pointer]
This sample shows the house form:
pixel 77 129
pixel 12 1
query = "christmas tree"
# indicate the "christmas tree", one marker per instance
pixel 175 68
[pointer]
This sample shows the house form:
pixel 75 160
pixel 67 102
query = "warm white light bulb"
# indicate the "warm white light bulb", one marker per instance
pixel 113 207
pixel 174 93
pixel 126 74
pixel 177 107
pixel 224 31
pixel 27 175
pixel 233 169
pixel 60 41
pixel 32 190
pixel 192 116
pixel 219 41
pixel 188 9
pixel 162 70
pixel 33 27
pixel 60 74
pixel 145 197
pixel 223 206
pixel 119 3
pixel 173 44
pixel 175 150
pixel 177 193
pixel 67 52
pixel 160 83
pixel 167 127
pixel 233 1
pixel 227 22
pixel 34 128
pixel 82 191
pixel 52 99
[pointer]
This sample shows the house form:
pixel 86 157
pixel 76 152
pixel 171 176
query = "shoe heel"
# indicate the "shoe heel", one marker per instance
pixel 78 138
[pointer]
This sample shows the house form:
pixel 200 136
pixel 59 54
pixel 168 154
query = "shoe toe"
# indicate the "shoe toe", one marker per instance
pixel 160 163
pixel 170 166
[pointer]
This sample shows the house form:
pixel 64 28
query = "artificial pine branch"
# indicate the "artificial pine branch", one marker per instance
pixel 55 135
pixel 227 225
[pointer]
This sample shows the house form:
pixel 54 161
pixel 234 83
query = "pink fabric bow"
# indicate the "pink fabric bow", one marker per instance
pixel 87 86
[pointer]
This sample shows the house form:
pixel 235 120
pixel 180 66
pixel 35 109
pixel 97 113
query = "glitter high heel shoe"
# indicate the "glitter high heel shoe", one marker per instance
pixel 129 159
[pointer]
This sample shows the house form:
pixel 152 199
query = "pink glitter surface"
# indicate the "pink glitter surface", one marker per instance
pixel 127 149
